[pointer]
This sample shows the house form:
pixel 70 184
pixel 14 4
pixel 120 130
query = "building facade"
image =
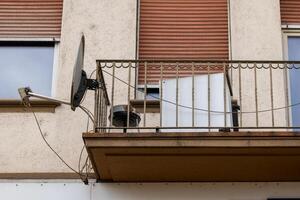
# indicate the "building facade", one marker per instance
pixel 45 35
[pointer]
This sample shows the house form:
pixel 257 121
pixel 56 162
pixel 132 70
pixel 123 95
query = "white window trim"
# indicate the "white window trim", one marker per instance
pixel 287 33
pixel 148 86
pixel 290 26
pixel 55 55
pixel 55 69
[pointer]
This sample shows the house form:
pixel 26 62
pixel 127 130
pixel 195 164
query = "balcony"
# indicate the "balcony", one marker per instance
pixel 166 120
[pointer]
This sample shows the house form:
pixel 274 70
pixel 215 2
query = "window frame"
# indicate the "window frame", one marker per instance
pixel 289 31
pixel 141 90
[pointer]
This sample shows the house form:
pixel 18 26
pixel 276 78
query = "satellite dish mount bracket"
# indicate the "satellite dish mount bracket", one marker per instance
pixel 92 84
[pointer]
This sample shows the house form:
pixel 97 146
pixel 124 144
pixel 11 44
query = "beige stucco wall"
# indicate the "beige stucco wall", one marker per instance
pixel 110 31
pixel 256 35
pixel 109 28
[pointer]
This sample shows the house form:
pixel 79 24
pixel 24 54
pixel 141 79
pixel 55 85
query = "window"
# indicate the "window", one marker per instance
pixel 172 29
pixel 26 64
pixel 293 54
pixel 151 94
pixel 179 30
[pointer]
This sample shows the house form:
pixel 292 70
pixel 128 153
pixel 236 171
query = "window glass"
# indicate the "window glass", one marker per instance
pixel 152 93
pixel 294 75
pixel 25 64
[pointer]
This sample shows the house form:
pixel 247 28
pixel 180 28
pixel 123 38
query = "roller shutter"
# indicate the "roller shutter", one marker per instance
pixel 182 29
pixel 290 11
pixel 30 18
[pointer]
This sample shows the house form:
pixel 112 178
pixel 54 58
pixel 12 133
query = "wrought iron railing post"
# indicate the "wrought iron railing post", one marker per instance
pixel 145 91
pixel 193 94
pixel 271 94
pixel 161 94
pixel 96 105
pixel 224 94
pixel 208 95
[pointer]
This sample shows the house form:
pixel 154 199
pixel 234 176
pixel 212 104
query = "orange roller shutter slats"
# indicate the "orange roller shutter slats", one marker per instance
pixel 290 11
pixel 182 29
pixel 30 18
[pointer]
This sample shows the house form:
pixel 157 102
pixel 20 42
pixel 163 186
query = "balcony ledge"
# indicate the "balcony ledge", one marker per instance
pixel 200 157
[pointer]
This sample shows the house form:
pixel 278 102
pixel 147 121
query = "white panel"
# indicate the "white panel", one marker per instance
pixel 44 191
pixel 217 117
pixel 33 190
pixel 194 191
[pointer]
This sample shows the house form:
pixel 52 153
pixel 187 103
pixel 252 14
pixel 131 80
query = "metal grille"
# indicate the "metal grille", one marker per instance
pixel 252 94
pixel 101 103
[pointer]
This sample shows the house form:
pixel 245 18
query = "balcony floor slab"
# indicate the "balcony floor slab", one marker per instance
pixel 195 157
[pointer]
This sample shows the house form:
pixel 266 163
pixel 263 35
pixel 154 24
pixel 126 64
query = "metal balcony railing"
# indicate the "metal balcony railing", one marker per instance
pixel 193 95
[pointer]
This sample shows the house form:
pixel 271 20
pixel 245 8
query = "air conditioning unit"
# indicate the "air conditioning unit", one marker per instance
pixel 201 106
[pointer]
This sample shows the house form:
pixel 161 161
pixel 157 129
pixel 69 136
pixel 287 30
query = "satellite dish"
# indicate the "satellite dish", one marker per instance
pixel 77 93
pixel 80 82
